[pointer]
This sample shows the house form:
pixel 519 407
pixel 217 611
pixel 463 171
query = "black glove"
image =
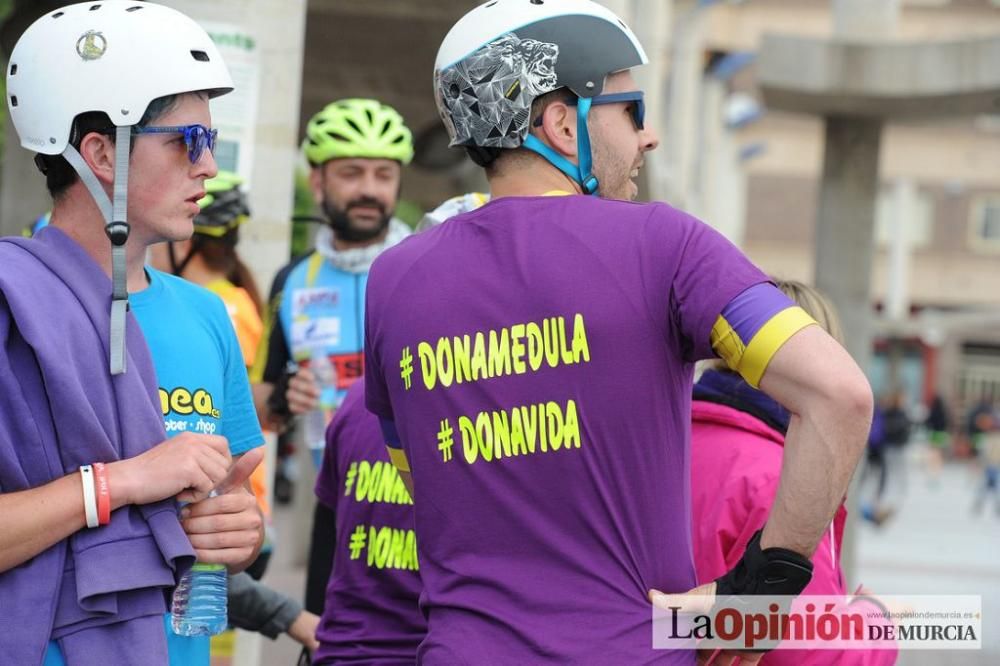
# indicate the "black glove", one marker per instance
pixel 771 572
pixel 775 571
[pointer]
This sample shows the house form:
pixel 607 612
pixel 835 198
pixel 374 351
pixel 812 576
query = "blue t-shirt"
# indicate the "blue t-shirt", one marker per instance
pixel 322 311
pixel 203 381
pixel 203 388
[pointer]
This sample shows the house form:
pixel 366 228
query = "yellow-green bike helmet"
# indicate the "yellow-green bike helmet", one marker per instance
pixel 357 128
pixel 224 206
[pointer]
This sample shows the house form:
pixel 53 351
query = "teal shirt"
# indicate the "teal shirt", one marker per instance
pixel 203 388
pixel 199 365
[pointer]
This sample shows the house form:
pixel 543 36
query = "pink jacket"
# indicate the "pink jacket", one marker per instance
pixel 735 465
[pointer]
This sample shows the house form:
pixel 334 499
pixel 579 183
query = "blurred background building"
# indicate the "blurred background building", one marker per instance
pixel 937 205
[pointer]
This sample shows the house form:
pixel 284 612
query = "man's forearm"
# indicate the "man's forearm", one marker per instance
pixel 821 453
pixel 830 402
pixel 255 607
pixel 36 519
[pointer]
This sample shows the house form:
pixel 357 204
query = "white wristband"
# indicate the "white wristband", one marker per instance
pixel 89 495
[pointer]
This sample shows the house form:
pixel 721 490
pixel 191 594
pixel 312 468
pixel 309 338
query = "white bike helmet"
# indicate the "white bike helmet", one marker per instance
pixel 114 56
pixel 503 54
pixel 463 203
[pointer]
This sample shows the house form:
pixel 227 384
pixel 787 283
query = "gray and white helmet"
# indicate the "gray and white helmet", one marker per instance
pixel 503 54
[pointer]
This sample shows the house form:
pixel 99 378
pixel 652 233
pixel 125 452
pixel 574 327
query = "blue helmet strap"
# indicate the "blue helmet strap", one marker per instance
pixel 579 173
pixel 587 179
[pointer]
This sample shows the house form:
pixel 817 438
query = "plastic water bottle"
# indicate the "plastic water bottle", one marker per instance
pixel 317 420
pixel 200 605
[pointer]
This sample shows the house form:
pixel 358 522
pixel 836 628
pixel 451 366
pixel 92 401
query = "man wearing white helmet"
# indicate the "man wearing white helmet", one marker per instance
pixel 531 362
pixel 113 96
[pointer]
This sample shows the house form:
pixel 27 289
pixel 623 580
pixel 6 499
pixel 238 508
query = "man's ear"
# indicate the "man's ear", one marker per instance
pixel 316 183
pixel 558 128
pixel 98 151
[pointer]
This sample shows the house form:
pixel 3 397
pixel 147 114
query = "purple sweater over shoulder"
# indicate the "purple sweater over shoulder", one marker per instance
pixel 59 409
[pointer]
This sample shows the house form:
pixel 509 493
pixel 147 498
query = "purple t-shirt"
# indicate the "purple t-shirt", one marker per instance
pixel 536 357
pixel 371 614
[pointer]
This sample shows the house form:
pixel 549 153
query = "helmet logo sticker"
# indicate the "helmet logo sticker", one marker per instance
pixel 488 94
pixel 91 45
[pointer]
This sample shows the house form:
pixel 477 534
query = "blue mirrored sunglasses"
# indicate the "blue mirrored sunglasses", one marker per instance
pixel 196 137
pixel 633 97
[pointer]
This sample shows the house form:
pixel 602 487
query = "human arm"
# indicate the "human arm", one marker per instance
pixel 396 453
pixel 255 607
pixel 188 466
pixel 831 404
pixel 302 394
pixel 774 345
pixel 758 333
pixel 228 528
pixel 261 392
pixel 322 544
pixel 321 553
pixel 303 630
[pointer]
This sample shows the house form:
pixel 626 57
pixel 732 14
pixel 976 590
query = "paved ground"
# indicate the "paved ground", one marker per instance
pixel 933 545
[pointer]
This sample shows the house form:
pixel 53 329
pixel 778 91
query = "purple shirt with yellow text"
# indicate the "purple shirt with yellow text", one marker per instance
pixel 536 357
pixel 371 614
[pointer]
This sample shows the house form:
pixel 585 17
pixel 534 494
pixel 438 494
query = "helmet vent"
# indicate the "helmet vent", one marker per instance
pixel 13 69
pixel 13 100
pixel 490 4
pixel 57 14
pixel 538 2
pixel 338 137
pixel 200 56
pixel 133 9
pixel 371 118
pixel 385 126
pixel 350 121
pixel 94 8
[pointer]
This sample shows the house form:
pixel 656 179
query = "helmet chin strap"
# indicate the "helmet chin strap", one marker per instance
pixel 578 173
pixel 177 267
pixel 117 229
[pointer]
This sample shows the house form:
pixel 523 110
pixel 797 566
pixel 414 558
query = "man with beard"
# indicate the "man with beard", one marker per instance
pixel 357 148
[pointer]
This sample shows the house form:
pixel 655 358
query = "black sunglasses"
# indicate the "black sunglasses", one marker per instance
pixel 634 97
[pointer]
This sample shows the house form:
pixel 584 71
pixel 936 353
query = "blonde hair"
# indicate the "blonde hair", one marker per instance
pixel 816 305
pixel 809 299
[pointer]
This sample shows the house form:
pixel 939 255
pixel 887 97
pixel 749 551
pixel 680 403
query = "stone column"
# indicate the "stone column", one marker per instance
pixel 845 243
pixel 845 224
pixel 277 28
